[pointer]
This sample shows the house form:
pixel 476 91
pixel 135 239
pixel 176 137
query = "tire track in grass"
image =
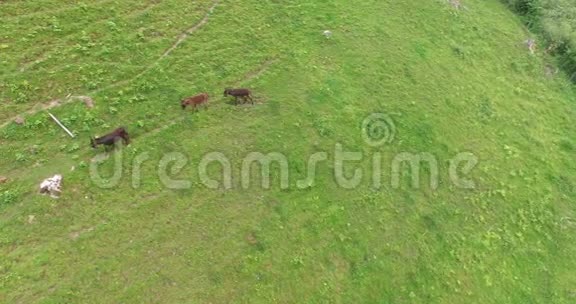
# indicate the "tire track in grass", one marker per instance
pixel 257 72
pixel 59 102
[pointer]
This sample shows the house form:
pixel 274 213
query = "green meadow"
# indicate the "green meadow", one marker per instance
pixel 450 81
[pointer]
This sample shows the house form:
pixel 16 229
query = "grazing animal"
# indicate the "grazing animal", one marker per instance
pixel 111 138
pixel 51 186
pixel 194 101
pixel 243 93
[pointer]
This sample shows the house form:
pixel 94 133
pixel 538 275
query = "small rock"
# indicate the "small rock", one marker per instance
pixel 31 219
pixel 3 179
pixel 34 149
pixel 89 102
pixel 19 120
pixel 52 186
pixel 251 239
pixel 550 71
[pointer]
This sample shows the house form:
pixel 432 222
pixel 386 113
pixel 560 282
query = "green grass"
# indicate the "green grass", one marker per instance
pixel 453 81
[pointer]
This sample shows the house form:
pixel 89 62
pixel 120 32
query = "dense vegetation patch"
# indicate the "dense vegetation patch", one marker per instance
pixel 555 20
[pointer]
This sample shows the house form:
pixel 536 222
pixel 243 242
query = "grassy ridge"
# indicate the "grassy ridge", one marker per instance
pixel 452 81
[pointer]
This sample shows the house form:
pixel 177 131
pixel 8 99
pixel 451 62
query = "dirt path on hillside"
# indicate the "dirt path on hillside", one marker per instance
pixel 59 102
pixel 89 102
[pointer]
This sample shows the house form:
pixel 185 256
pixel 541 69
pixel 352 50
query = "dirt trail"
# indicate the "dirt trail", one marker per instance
pixel 49 105
pixel 190 31
pixel 257 72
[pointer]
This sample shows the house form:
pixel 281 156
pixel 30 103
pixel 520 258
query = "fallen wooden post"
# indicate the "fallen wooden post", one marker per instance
pixel 61 125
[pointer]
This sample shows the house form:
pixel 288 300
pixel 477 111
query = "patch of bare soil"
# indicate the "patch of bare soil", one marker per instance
pixel 75 235
pixel 88 101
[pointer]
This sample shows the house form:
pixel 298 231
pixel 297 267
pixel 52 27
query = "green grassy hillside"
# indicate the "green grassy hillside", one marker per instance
pixel 450 81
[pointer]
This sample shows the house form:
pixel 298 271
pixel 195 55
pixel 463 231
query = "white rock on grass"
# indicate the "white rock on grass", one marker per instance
pixel 51 186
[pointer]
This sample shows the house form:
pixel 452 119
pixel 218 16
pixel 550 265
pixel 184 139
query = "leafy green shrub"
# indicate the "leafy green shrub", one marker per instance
pixel 8 197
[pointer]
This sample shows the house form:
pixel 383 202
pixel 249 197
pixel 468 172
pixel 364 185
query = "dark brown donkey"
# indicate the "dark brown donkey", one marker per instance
pixel 242 93
pixel 194 101
pixel 111 138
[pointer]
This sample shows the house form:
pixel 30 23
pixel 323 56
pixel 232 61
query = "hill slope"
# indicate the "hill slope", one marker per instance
pixel 451 81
